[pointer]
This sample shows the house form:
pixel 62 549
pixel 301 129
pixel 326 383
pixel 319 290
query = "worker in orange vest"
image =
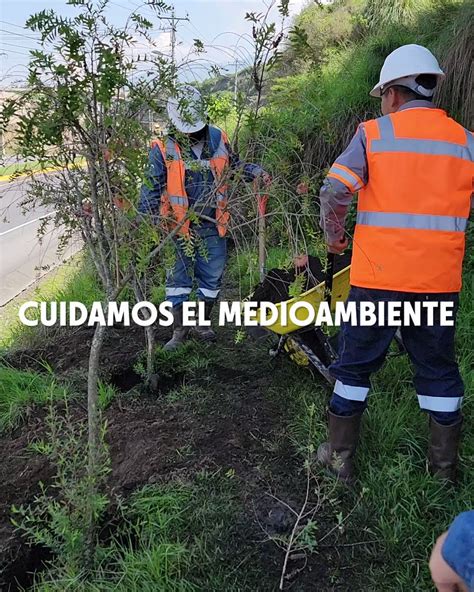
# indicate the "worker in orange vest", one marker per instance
pixel 187 191
pixel 413 170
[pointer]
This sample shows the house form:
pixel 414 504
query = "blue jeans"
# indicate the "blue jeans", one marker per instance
pixel 362 351
pixel 205 269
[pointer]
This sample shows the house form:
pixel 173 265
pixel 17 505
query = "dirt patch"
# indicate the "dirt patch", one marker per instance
pixel 20 474
pixel 68 353
pixel 148 443
pixel 238 428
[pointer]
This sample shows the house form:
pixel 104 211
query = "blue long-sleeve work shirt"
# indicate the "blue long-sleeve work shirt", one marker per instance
pixel 458 548
pixel 199 181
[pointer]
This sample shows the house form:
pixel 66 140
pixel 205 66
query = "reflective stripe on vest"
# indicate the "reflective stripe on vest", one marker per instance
pixel 219 164
pixel 346 176
pixel 413 212
pixel 178 200
pixel 389 143
pixel 175 197
pixel 174 201
pixel 417 221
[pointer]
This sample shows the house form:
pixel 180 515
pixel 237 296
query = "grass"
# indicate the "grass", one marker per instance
pixel 17 168
pixel 404 507
pixel 185 392
pixel 73 281
pixel 192 358
pixel 243 267
pixel 20 391
pixel 176 535
pixel 166 541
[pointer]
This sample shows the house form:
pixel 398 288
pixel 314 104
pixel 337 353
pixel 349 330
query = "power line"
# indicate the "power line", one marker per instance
pixel 173 19
pixel 201 36
pixel 13 25
pixel 18 52
pixel 18 34
pixel 15 45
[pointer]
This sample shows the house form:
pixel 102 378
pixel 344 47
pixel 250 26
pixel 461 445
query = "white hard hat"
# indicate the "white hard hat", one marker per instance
pixel 403 66
pixel 186 110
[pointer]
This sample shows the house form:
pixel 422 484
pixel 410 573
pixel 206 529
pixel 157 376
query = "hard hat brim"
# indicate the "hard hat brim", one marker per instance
pixel 186 125
pixel 376 91
pixel 187 128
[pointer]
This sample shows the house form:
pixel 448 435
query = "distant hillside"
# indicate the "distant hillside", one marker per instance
pixel 226 83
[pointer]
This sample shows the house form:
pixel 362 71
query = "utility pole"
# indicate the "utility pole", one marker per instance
pixel 174 20
pixel 237 64
pixel 236 80
pixel 173 37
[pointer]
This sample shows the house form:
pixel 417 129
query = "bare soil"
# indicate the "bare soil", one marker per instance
pixel 239 424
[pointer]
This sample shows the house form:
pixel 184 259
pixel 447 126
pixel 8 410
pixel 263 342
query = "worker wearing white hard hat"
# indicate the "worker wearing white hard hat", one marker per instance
pixel 404 66
pixel 189 172
pixel 412 169
pixel 186 110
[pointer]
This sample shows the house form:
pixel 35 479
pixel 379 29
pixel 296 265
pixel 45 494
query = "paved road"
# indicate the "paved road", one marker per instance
pixel 22 255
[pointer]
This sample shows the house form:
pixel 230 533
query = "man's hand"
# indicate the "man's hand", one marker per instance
pixel 121 203
pixel 445 579
pixel 266 179
pixel 301 261
pixel 338 247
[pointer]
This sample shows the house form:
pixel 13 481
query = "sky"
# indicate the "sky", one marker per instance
pixel 219 24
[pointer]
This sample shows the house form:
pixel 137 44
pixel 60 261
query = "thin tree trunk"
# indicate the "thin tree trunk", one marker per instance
pixel 150 348
pixel 149 334
pixel 94 439
pixel 92 399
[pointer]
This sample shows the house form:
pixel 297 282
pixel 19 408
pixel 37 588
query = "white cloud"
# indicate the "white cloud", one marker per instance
pixel 295 6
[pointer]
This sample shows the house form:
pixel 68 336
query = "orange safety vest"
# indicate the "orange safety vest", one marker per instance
pixel 413 212
pixel 174 200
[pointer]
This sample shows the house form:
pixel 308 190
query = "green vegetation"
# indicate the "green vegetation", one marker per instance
pixel 73 281
pixel 20 391
pixel 335 60
pixel 251 422
pixel 167 541
pixel 17 169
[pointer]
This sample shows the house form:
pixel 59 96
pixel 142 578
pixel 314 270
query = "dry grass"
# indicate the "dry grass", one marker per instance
pixel 457 58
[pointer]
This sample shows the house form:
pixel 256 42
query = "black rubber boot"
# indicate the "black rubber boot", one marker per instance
pixel 443 449
pixel 205 333
pixel 337 455
pixel 180 333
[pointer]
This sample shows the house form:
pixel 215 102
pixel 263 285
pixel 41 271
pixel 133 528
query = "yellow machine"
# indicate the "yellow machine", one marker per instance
pixel 314 297
pixel 310 345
